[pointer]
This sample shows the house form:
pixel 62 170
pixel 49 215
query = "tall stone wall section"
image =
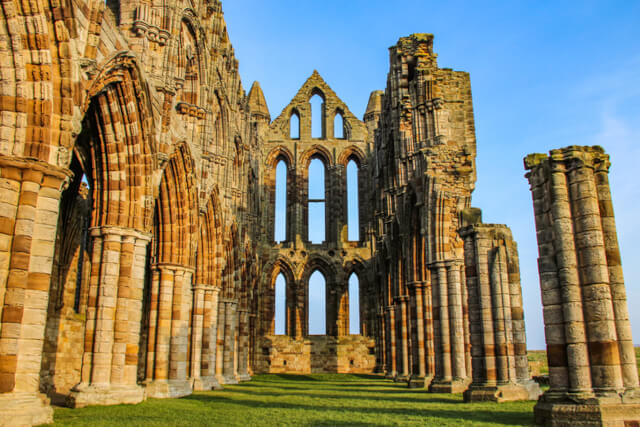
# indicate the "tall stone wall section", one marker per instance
pixel 592 367
pixel 126 159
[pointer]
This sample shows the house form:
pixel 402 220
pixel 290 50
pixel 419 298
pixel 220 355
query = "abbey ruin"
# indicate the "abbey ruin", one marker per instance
pixel 138 255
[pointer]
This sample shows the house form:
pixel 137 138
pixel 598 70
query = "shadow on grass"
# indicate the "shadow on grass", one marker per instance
pixel 366 395
pixel 480 415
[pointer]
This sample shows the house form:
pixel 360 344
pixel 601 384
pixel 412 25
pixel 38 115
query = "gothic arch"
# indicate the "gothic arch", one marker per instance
pixel 177 211
pixel 209 245
pixel 277 154
pixel 352 153
pixel 316 151
pixel 122 184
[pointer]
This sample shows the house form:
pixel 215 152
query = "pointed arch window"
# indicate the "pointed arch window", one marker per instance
pixel 317 116
pixel 353 206
pixel 294 125
pixel 317 201
pixel 354 304
pixel 280 214
pixel 317 304
pixel 338 126
pixel 280 305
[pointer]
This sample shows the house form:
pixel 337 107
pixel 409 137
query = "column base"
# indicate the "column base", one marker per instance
pixel 169 389
pixel 502 392
pixel 402 378
pixel 420 382
pixel 230 379
pixel 244 377
pixel 391 375
pixel 206 384
pixel 24 409
pixel 104 395
pixel 564 409
pixel 450 387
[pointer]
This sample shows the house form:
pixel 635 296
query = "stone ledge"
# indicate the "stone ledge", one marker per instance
pixel 24 409
pixel 84 395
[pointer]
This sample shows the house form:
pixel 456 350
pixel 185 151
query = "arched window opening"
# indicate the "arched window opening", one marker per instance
pixel 338 126
pixel 280 305
pixel 317 304
pixel 354 305
pixel 316 206
pixel 294 126
pixel 353 208
pixel 280 232
pixel 317 116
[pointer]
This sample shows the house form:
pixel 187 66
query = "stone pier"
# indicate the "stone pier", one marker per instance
pixel 592 369
pixel 498 342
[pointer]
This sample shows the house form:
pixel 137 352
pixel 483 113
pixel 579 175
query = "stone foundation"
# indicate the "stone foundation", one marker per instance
pixel 318 354
pixel 24 409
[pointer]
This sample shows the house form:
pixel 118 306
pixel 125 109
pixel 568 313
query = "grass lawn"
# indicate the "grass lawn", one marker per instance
pixel 306 400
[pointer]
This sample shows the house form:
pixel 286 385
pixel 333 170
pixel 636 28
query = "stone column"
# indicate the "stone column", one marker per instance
pixel 490 253
pixel 419 353
pixel 220 339
pixel 430 361
pixel 209 338
pixel 381 343
pixel 592 373
pixel 112 336
pixel 403 338
pixel 243 345
pixel 170 376
pixel 391 342
pixel 230 324
pixel 197 332
pixel 29 203
pixel 451 374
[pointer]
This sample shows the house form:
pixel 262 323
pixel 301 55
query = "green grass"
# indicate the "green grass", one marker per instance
pixel 538 361
pixel 306 400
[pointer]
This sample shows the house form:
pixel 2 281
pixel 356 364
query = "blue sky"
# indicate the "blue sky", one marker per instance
pixel 544 75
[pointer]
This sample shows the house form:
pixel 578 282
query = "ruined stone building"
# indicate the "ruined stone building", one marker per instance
pixel 138 252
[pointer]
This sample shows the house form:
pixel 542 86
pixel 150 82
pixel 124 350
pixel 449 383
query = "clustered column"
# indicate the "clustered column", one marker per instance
pixel 591 365
pixel 114 314
pixel 498 342
pixel 450 348
pixel 28 218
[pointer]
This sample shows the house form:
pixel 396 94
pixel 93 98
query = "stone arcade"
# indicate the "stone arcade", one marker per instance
pixel 137 213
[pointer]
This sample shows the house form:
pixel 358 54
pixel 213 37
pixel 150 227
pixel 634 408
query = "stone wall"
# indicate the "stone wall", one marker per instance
pixel 351 354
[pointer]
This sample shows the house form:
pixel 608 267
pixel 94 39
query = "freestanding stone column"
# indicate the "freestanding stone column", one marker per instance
pixel 498 343
pixel 29 202
pixel 592 371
